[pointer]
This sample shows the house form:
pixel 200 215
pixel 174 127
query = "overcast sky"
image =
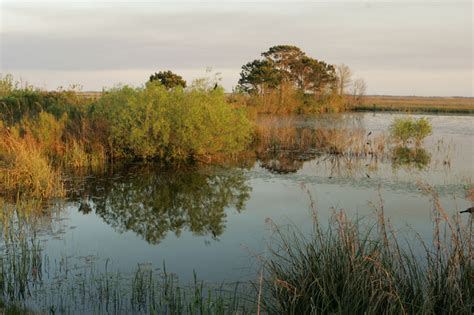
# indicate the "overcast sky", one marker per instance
pixel 399 48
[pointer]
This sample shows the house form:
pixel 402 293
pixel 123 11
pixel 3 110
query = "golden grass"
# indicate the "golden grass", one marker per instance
pixel 24 168
pixel 417 104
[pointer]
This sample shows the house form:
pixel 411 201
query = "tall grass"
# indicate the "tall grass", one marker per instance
pixel 24 169
pixel 272 135
pixel 347 268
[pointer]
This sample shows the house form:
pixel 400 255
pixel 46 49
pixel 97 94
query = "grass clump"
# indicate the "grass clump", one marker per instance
pixel 347 269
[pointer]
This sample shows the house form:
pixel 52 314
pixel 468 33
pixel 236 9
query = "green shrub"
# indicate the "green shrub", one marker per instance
pixel 405 129
pixel 177 124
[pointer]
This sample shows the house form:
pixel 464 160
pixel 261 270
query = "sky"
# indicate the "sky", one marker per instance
pixel 398 47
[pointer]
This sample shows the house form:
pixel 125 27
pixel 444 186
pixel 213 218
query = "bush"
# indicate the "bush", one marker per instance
pixel 404 129
pixel 177 124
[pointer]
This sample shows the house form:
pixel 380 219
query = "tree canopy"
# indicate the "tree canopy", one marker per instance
pixel 286 64
pixel 169 79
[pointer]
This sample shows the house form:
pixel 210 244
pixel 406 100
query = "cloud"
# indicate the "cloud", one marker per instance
pixel 112 38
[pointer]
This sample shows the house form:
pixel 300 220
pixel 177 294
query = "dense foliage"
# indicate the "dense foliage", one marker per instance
pixel 287 64
pixel 287 80
pixel 172 124
pixel 408 129
pixel 169 79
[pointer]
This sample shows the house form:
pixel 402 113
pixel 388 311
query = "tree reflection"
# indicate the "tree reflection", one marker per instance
pixel 152 201
pixel 410 157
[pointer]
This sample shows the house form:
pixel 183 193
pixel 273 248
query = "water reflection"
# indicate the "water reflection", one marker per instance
pixel 285 162
pixel 152 201
pixel 410 157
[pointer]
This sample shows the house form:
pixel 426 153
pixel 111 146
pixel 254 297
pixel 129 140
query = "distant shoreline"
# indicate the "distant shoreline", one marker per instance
pixel 461 105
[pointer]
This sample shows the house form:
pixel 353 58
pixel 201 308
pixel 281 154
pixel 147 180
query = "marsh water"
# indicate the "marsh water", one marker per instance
pixel 215 220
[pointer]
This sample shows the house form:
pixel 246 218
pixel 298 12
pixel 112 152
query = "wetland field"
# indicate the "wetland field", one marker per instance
pixel 145 236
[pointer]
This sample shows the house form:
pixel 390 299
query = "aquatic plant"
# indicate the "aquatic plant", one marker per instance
pixel 85 289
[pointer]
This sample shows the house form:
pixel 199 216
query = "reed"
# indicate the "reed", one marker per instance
pixel 351 268
pixel 271 135
pixel 24 169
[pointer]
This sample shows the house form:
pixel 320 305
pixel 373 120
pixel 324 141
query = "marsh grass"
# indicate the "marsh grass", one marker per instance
pixel 349 268
pixel 416 104
pixel 274 136
pixel 24 169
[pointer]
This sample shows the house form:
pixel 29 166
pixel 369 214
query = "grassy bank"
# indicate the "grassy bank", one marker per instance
pixel 461 105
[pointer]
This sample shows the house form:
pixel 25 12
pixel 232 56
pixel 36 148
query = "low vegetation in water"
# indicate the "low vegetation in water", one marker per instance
pixel 33 283
pixel 405 130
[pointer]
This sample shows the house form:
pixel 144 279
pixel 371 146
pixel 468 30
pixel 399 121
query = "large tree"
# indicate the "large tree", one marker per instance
pixel 289 65
pixel 169 79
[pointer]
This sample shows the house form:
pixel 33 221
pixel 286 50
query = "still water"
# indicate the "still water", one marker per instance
pixel 214 220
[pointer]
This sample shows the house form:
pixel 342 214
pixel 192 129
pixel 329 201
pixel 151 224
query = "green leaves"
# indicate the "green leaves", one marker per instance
pixel 169 79
pixel 285 64
pixel 176 124
pixel 405 129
